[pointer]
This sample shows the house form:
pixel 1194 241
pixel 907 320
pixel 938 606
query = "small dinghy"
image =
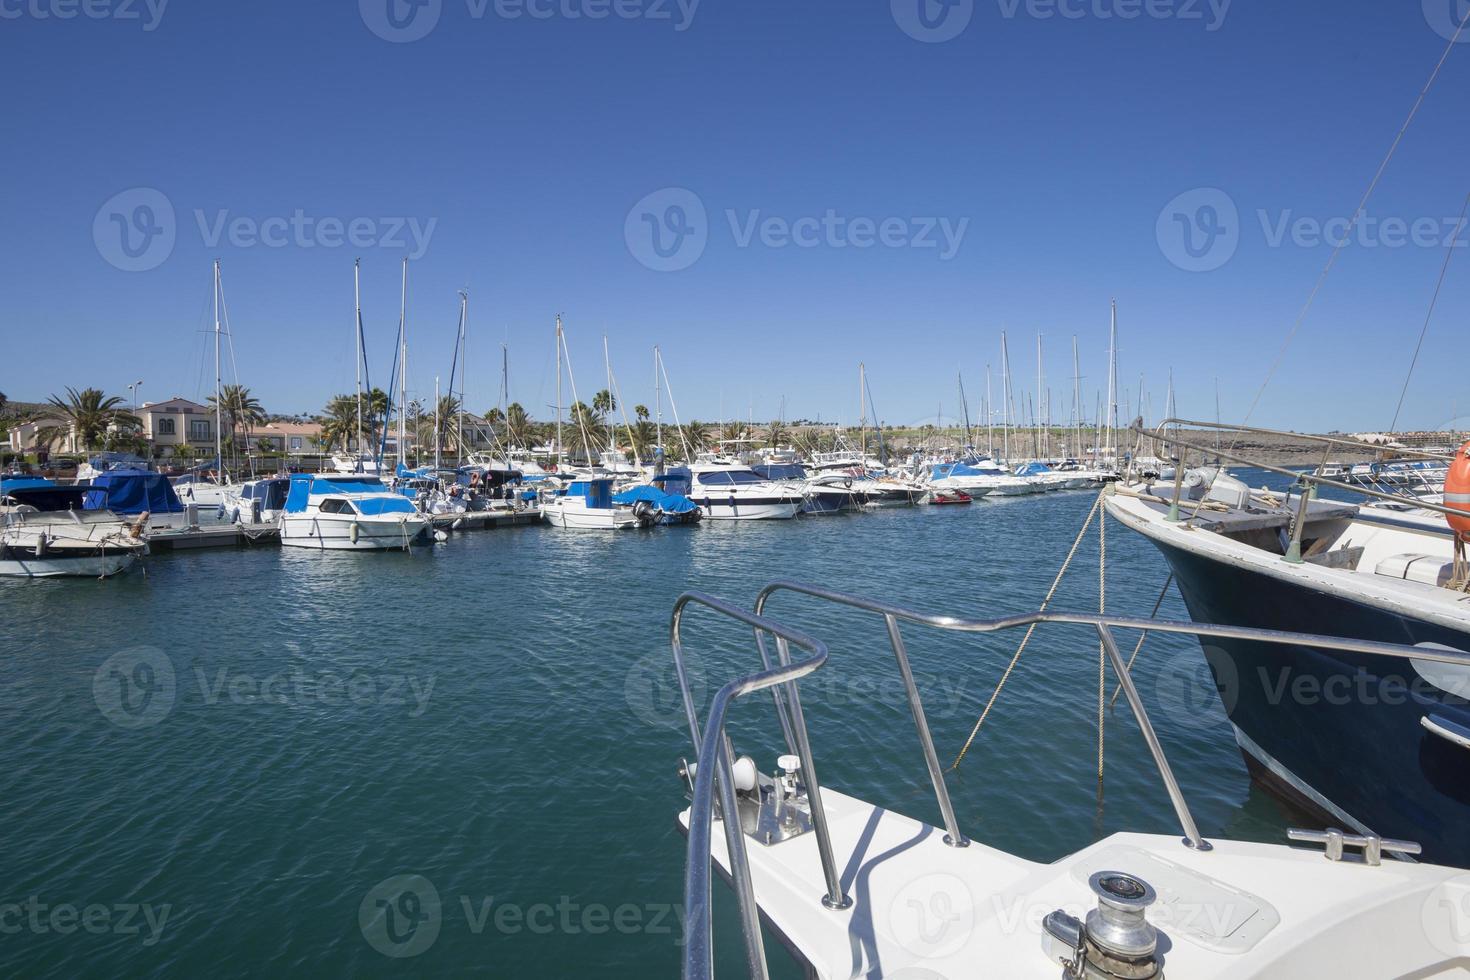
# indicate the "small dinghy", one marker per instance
pixel 941 498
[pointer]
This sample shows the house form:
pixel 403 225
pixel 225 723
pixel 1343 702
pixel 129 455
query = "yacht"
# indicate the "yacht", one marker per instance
pixel 258 501
pixel 727 490
pixel 854 889
pixel 977 477
pixel 587 505
pixel 826 493
pixel 347 513
pixel 46 531
pixel 1377 745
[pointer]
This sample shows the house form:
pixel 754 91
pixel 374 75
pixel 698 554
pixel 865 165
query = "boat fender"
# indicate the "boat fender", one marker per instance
pixel 354 531
pixel 1457 492
pixel 40 546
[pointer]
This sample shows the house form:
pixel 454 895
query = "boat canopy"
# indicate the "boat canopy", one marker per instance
pixel 124 491
pixel 676 479
pixel 117 461
pixel 270 492
pixel 307 485
pixel 9 483
pixel 45 496
pixel 597 492
pixel 1032 469
pixel 668 503
pixel 780 471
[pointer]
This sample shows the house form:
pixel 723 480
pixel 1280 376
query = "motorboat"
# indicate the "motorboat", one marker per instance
pixel 258 501
pixel 652 504
pixel 727 490
pixel 329 512
pixel 852 888
pixel 1377 573
pixel 946 498
pixel 587 505
pixel 47 531
pixel 977 476
pixel 826 493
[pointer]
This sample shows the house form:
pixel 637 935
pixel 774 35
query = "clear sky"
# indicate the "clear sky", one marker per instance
pixel 770 191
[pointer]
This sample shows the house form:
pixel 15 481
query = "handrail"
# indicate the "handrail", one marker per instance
pixel 1356 444
pixel 713 744
pixel 698 962
pixel 1138 429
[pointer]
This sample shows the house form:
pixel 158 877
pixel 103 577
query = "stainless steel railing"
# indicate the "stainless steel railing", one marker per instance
pixel 781 678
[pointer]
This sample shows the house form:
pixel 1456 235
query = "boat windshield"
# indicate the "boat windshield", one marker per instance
pixel 781 471
pixel 726 478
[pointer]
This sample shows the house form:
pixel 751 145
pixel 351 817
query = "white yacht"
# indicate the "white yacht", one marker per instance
pixel 587 505
pixel 852 889
pixel 978 477
pixel 356 513
pixel 727 490
pixel 46 531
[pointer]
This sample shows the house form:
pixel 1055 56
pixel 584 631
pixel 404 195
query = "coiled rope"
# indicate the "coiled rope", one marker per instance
pixel 1050 593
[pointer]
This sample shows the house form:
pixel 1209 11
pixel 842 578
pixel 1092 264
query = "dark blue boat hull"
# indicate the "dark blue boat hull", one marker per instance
pixel 1345 725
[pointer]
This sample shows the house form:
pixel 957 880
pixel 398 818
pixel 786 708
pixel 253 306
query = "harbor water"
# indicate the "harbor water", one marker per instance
pixel 226 766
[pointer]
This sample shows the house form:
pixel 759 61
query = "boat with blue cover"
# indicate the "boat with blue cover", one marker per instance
pixel 348 513
pixel 47 531
pixel 653 505
pixel 587 505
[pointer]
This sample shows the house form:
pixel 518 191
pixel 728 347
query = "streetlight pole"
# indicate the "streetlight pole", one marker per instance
pixel 133 394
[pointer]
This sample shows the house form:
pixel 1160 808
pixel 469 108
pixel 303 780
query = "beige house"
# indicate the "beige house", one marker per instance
pixel 292 438
pixel 23 435
pixel 177 422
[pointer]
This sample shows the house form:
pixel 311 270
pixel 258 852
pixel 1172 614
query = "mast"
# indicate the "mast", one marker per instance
pixel 1112 404
pixel 1038 412
pixel 403 369
pixel 219 459
pixel 464 353
pixel 658 406
pixel 989 418
pixel 505 396
pixel 964 407
pixel 436 421
pixel 357 356
pixel 1076 402
pixel 862 412
pixel 557 448
pixel 1005 367
pixel 607 365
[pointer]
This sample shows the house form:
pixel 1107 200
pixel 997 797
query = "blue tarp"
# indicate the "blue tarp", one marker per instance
pixel 24 483
pixel 133 492
pixel 597 492
pixel 668 503
pixel 303 485
pixel 1033 469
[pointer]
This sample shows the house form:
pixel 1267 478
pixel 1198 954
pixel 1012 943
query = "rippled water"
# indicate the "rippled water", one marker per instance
pixel 213 769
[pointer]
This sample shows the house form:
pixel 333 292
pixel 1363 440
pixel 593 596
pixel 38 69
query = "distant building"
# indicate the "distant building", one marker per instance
pixel 23 435
pixel 177 422
pixel 292 438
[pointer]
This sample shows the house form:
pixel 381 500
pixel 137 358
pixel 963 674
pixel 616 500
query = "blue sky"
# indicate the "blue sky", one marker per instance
pixel 828 150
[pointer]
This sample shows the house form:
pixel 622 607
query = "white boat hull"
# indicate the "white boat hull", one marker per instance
pixel 717 509
pixel 588 519
pixel 330 532
pixel 89 566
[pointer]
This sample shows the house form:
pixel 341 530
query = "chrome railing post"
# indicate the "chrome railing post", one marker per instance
pixel 931 758
pixel 834 899
pixel 750 924
pixel 1192 836
pixel 782 711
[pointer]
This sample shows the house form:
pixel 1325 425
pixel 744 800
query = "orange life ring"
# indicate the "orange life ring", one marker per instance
pixel 1457 492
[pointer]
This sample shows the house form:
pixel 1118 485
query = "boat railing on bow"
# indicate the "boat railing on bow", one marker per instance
pixel 781 676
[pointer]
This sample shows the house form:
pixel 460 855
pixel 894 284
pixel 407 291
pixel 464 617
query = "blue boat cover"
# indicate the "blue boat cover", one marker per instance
pixel 303 485
pixel 133 492
pixel 10 483
pixel 597 492
pixel 668 503
pixel 676 480
pixel 1033 469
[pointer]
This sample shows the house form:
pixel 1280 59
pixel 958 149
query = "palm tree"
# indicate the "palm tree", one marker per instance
pixel 518 425
pixel 641 412
pixel 3 402
pixel 603 403
pixel 776 433
pixel 238 407
pixel 88 413
pixel 445 421
pixel 585 423
pixel 696 434
pixel 732 431
pixel 339 421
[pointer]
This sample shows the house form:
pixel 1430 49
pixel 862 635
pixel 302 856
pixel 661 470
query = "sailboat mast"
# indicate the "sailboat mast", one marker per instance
pixel 607 366
pixel 464 353
pixel 219 459
pixel 403 368
pixel 862 412
pixel 1112 404
pixel 658 405
pixel 557 448
pixel 505 393
pixel 357 354
pixel 1076 401
pixel 989 417
pixel 436 422
pixel 1005 375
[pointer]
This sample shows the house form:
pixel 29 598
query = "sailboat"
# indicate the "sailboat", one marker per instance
pixel 362 462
